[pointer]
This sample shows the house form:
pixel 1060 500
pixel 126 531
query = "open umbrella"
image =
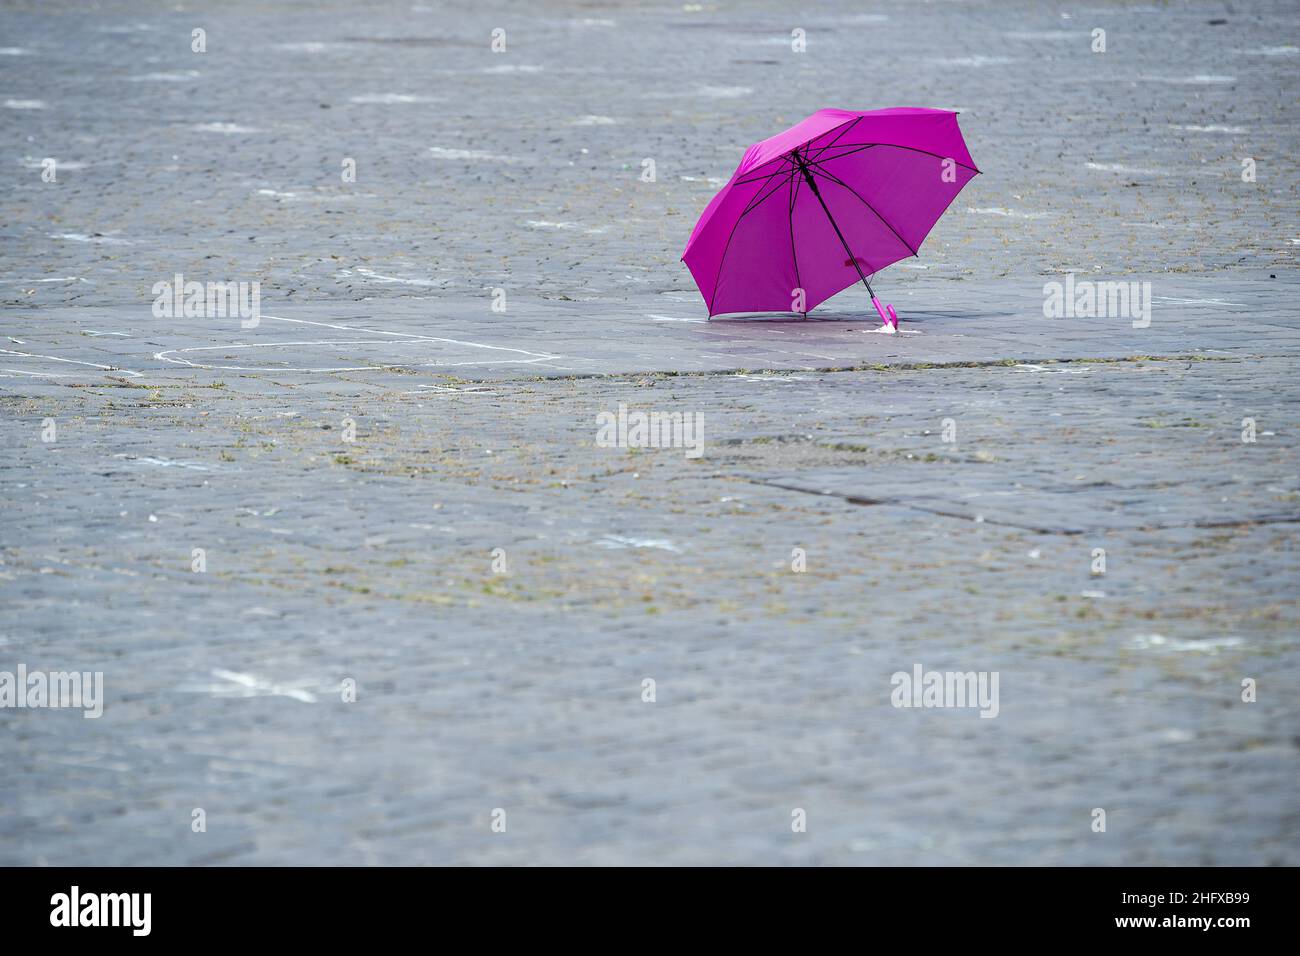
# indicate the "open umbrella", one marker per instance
pixel 830 201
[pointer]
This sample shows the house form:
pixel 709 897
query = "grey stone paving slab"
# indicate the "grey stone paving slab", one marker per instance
pixel 328 560
pixel 450 336
pixel 523 169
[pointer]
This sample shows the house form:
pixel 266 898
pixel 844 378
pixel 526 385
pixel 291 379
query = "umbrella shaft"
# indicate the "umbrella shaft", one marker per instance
pixel 807 175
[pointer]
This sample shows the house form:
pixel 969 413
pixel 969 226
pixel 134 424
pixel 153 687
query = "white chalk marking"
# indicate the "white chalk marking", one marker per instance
pixel 55 358
pixel 471 389
pixel 1000 211
pixel 977 60
pixel 1210 645
pixel 183 77
pixel 16 371
pixel 371 274
pixel 1058 371
pixel 1043 35
pixel 34 281
pixel 225 128
pixel 1198 80
pixel 250 685
pixel 618 541
pixel 1169 298
pixel 1121 168
pixel 164 462
pixel 1210 129
pixel 384 99
pixel 1273 51
pixel 310 46
pixel 443 152
pixel 412 339
pixel 96 238
pixel 31 162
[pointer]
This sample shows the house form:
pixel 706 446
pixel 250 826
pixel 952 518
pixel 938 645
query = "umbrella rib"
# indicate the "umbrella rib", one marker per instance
pixel 856 262
pixel 835 179
pixel 860 147
pixel 754 202
pixel 722 261
pixel 843 128
pixel 764 177
pixel 896 146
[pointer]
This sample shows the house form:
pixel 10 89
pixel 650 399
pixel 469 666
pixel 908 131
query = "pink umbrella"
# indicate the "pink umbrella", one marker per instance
pixel 830 201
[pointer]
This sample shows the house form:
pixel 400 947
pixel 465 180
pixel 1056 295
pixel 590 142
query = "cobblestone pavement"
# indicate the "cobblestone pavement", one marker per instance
pixel 522 169
pixel 387 482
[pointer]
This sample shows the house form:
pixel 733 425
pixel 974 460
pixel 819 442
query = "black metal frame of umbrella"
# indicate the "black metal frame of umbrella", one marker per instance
pixel 890 318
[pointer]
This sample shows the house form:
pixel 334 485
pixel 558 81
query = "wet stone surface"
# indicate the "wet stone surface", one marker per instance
pixel 392 484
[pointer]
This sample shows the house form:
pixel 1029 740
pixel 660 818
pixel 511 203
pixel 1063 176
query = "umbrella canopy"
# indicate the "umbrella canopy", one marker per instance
pixel 825 204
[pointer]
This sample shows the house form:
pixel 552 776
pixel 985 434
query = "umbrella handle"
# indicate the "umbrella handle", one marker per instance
pixel 890 319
